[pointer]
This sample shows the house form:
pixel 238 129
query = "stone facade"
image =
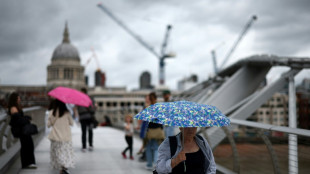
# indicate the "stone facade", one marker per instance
pixel 116 102
pixel 65 69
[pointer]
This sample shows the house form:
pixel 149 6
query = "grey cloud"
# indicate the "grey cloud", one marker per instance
pixel 31 30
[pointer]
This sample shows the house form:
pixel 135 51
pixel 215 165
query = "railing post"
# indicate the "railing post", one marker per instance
pixel 273 155
pixel 293 148
pixel 236 162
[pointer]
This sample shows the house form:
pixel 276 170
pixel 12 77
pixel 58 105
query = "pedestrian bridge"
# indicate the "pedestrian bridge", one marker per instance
pixel 236 91
pixel 263 154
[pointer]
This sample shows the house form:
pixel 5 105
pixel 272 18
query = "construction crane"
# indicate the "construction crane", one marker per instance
pixel 214 57
pixel 94 55
pixel 100 77
pixel 162 56
pixel 244 31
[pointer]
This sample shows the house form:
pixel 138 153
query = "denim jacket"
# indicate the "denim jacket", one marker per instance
pixel 163 165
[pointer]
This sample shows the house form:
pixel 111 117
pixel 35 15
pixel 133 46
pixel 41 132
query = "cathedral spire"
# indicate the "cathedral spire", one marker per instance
pixel 66 34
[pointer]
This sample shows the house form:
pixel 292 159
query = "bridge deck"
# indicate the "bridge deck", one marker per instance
pixel 106 157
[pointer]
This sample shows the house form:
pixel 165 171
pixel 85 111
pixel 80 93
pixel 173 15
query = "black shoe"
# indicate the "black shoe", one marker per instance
pixel 65 171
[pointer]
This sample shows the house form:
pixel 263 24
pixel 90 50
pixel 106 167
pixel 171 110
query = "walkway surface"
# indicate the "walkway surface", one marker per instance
pixel 106 157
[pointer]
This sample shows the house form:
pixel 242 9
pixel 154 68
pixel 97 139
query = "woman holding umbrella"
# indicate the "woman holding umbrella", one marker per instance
pixel 185 152
pixel 61 120
pixel 196 153
pixel 61 152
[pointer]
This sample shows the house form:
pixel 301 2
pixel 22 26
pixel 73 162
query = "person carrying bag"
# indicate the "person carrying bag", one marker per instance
pixel 87 120
pixel 22 128
pixel 30 128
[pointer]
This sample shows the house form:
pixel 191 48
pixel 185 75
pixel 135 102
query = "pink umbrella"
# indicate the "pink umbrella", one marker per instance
pixel 72 96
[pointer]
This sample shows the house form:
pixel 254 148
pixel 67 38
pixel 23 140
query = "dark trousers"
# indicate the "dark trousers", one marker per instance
pixel 87 125
pixel 27 150
pixel 129 142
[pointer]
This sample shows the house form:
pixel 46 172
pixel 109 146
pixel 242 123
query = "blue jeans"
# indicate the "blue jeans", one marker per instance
pixel 151 152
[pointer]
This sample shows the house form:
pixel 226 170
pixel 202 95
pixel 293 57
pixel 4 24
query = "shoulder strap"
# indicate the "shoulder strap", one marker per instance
pixel 173 144
pixel 173 147
pixel 200 137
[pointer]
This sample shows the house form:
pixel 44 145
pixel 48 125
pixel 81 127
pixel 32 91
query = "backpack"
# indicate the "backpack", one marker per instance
pixel 173 146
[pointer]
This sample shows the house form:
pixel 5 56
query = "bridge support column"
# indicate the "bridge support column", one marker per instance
pixel 293 145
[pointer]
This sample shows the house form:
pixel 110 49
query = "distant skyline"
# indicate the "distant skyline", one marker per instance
pixel 31 30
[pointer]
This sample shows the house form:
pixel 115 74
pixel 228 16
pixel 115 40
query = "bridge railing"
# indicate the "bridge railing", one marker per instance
pixel 10 146
pixel 262 148
pixel 250 147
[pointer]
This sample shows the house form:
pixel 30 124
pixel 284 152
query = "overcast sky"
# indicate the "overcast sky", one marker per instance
pixel 30 30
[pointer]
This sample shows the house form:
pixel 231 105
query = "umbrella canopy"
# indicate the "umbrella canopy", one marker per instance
pixel 72 96
pixel 184 114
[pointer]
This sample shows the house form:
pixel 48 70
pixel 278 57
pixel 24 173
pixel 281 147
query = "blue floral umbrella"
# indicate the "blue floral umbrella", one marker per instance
pixel 184 114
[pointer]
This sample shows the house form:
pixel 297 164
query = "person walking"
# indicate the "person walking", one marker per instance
pixel 169 130
pixel 195 151
pixel 142 125
pixel 86 116
pixel 154 136
pixel 61 153
pixel 128 136
pixel 17 122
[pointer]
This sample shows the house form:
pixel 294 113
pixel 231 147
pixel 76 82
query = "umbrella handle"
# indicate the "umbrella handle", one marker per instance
pixel 183 147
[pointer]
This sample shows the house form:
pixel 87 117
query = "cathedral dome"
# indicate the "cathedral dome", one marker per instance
pixel 65 50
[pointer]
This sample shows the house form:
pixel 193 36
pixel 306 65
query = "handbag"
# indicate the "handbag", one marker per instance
pixel 156 133
pixel 30 129
pixel 94 122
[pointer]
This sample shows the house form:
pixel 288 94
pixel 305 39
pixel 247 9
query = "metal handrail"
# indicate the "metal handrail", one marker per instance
pixel 296 131
pixel 10 149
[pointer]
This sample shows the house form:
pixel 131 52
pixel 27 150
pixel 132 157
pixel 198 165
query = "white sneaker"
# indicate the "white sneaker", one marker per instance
pixel 91 148
pixel 32 166
pixel 83 150
pixel 149 168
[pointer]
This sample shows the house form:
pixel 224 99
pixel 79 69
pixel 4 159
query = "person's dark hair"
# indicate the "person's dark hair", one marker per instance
pixel 13 102
pixel 84 90
pixel 152 97
pixel 166 92
pixel 60 106
pixel 51 105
